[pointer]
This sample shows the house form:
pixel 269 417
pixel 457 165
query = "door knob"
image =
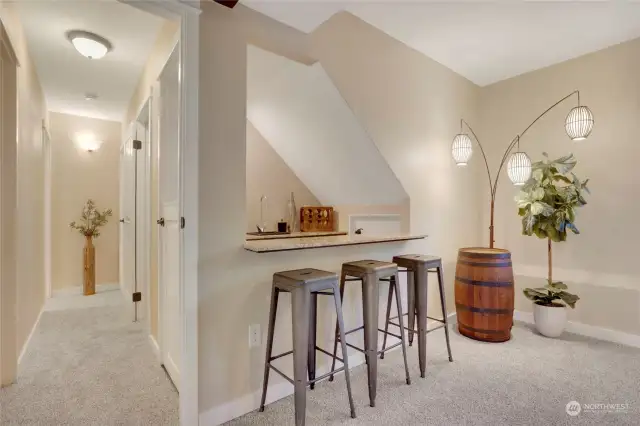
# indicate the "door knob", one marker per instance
pixel 160 221
pixel 121 220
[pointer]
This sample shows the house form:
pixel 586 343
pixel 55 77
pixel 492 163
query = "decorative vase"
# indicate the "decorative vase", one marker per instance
pixel 550 320
pixel 89 275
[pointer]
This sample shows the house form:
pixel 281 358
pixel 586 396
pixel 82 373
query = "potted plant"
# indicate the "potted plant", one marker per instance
pixel 547 204
pixel 89 225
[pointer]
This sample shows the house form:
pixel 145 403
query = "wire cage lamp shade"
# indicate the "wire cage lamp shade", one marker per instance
pixel 461 149
pixel 579 123
pixel 519 168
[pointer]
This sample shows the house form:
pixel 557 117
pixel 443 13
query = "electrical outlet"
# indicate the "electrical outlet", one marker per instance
pixel 254 336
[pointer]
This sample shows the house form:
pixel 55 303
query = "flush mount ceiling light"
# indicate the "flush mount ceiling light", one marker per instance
pixel 90 96
pixel 89 44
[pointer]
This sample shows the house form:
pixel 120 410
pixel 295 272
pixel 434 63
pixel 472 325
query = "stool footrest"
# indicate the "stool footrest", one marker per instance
pixel 354 330
pixel 273 358
pixel 397 336
pixel 318 348
pixel 308 382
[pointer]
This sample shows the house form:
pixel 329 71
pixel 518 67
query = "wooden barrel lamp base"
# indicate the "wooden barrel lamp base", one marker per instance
pixel 484 294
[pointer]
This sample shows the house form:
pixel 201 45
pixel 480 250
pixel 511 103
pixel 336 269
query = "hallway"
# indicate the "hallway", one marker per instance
pixel 88 364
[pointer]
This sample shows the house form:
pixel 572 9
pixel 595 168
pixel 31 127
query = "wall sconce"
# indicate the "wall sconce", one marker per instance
pixel 87 142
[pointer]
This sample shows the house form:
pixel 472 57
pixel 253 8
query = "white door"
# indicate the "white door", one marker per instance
pixel 169 235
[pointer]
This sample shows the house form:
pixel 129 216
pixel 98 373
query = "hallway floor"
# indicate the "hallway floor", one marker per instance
pixel 89 364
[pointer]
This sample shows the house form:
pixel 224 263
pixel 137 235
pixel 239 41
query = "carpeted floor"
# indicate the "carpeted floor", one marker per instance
pixel 89 366
pixel 526 381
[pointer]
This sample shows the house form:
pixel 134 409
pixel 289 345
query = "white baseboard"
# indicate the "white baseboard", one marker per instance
pixel 33 329
pixel 593 331
pixel 155 347
pixel 248 403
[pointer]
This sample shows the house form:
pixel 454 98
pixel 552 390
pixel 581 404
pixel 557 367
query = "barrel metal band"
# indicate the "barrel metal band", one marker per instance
pixel 481 330
pixel 485 283
pixel 487 255
pixel 484 310
pixel 489 265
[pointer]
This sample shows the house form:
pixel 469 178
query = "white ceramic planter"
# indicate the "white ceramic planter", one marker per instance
pixel 550 320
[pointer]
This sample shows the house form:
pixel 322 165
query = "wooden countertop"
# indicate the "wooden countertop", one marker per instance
pixel 285 244
pixel 294 235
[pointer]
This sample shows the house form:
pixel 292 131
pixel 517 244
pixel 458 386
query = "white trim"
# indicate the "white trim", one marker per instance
pixel 155 348
pixel 188 14
pixel 31 333
pixel 587 330
pixel 238 407
pixel 46 141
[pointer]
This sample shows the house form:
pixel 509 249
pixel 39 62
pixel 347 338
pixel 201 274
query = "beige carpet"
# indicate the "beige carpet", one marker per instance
pixel 526 381
pixel 89 366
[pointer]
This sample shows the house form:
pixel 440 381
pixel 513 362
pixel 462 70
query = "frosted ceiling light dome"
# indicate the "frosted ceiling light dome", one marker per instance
pixel 519 168
pixel 579 123
pixel 461 149
pixel 89 44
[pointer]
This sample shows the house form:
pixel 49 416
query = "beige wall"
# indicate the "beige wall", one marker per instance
pixel 167 38
pixel 164 45
pixel 600 264
pixel 268 174
pixel 30 183
pixel 76 177
pixel 412 127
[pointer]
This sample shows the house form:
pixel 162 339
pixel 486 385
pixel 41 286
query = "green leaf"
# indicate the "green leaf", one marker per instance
pixel 569 299
pixel 562 178
pixel 560 285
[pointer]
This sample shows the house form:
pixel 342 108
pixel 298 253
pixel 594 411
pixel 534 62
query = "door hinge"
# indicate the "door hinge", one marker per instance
pixel 182 222
pixel 137 144
pixel 137 296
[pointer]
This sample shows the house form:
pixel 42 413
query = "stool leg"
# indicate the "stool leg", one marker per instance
pixel 272 325
pixel 370 302
pixel 311 363
pixel 444 310
pixel 394 283
pixel 336 336
pixel 386 324
pixel 411 305
pixel 421 299
pixel 300 307
pixel 343 343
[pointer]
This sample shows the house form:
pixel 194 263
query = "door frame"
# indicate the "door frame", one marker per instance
pixel 189 16
pixel 8 211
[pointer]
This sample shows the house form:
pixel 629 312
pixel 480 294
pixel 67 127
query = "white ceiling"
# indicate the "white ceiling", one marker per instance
pixel 66 75
pixel 483 41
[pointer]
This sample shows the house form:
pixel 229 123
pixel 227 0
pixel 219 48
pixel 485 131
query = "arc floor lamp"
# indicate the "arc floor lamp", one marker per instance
pixel 578 125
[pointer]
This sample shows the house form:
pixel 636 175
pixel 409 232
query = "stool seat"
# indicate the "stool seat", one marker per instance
pixel 409 260
pixel 303 276
pixel 363 267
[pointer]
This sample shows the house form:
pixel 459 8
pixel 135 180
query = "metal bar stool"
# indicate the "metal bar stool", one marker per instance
pixel 370 272
pixel 418 267
pixel 304 286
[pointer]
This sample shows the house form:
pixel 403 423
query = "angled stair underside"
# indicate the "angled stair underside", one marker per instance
pixel 302 115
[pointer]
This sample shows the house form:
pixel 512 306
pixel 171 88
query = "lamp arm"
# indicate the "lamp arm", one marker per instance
pixel 486 163
pixel 517 138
